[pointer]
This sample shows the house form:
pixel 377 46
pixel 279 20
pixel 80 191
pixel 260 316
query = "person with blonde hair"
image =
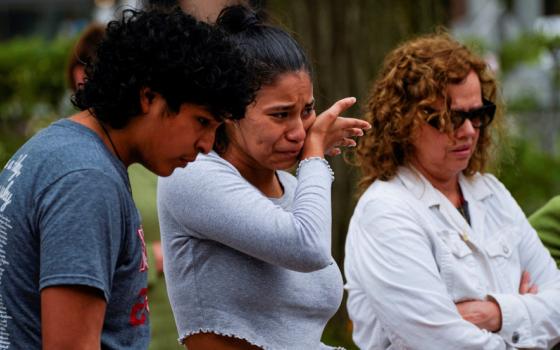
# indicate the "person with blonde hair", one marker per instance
pixel 439 255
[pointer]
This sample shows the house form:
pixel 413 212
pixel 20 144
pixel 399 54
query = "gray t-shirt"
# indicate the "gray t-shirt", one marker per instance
pixel 67 218
pixel 241 264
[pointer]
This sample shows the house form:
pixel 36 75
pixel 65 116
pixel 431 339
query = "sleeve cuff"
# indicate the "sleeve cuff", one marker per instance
pixel 314 166
pixel 515 320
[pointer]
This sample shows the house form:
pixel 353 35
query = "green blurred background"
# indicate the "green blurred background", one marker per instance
pixel 346 41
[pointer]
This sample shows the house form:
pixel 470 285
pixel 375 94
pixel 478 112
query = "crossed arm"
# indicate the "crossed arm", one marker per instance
pixel 394 258
pixel 486 314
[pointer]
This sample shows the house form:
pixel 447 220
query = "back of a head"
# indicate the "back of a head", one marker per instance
pixel 171 53
pixel 83 51
pixel 271 49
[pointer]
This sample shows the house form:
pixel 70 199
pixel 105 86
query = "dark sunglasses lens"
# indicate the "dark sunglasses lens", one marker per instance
pixel 457 118
pixel 434 122
pixel 479 118
pixel 432 117
pixel 483 116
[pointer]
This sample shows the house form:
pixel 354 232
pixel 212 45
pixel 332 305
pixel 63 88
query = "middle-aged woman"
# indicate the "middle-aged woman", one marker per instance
pixel 247 246
pixel 439 255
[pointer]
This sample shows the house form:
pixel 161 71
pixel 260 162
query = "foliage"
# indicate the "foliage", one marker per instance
pixel 531 175
pixel 525 49
pixel 476 44
pixel 31 86
pixel 524 103
pixel 31 73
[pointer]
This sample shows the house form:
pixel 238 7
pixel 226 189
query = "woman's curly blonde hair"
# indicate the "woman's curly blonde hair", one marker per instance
pixel 414 77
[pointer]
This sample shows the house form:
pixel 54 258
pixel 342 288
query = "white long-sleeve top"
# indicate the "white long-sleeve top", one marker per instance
pixel 410 256
pixel 238 263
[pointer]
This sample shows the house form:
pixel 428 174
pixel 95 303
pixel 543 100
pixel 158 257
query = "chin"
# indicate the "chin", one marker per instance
pixel 285 165
pixel 164 172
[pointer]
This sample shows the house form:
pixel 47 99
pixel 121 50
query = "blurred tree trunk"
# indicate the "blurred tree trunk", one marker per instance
pixel 346 41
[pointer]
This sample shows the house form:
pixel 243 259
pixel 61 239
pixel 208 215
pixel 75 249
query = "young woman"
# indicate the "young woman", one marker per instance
pixel 247 246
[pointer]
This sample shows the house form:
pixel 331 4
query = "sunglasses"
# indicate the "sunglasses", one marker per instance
pixel 480 117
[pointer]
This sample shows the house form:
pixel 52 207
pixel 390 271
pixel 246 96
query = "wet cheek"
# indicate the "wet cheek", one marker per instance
pixel 261 139
pixel 308 122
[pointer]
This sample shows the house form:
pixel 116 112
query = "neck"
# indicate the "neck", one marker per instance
pixel 452 191
pixel 447 185
pixel 113 139
pixel 265 180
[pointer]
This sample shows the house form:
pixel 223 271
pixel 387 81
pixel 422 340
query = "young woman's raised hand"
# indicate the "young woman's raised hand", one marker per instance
pixel 330 131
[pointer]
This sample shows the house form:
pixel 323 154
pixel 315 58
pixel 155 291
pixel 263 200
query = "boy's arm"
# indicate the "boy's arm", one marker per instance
pixel 72 317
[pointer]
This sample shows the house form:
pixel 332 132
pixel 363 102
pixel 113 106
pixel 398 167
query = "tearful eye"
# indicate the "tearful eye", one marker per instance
pixel 308 111
pixel 280 115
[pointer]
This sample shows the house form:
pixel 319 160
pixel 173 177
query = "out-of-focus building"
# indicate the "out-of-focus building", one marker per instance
pixel 50 18
pixel 39 17
pixel 518 40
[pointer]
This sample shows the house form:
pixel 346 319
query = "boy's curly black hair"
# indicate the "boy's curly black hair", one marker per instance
pixel 171 53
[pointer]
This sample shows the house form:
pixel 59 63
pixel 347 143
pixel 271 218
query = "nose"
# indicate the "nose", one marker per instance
pixel 206 141
pixel 466 130
pixel 296 131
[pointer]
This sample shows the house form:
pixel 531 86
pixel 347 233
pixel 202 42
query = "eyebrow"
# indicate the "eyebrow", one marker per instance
pixel 287 107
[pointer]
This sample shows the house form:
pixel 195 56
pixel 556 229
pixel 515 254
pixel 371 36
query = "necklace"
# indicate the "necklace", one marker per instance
pixel 116 153
pixel 110 140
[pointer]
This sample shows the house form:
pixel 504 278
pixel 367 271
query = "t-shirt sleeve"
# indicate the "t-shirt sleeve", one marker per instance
pixel 81 224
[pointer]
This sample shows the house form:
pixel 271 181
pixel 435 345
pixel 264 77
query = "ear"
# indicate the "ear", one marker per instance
pixel 146 99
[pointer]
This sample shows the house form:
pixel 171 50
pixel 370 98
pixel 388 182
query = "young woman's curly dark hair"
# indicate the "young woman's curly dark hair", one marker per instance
pixel 171 53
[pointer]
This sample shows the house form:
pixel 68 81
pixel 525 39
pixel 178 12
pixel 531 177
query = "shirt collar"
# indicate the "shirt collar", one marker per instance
pixel 474 187
pixel 418 185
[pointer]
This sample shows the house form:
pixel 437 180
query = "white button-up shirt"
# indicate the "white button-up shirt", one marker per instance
pixel 410 256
